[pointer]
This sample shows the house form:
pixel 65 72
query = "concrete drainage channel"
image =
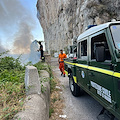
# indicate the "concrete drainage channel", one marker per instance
pixel 36 103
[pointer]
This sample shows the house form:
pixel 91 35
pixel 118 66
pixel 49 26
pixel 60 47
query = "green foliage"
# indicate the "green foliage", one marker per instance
pixel 13 76
pixel 12 88
pixel 10 63
pixel 49 70
pixel 40 66
pixel 43 88
pixel 47 67
pixel 52 81
pixel 51 110
pixel 54 100
pixel 52 84
pixel 4 53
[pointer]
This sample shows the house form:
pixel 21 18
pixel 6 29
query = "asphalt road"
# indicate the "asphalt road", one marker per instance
pixel 76 108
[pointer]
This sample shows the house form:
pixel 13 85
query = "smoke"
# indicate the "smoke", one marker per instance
pixel 14 16
pixel 2 49
pixel 11 12
pixel 34 56
pixel 23 39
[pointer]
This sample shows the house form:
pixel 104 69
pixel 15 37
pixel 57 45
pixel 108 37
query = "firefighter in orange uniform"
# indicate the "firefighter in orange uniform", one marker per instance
pixel 61 62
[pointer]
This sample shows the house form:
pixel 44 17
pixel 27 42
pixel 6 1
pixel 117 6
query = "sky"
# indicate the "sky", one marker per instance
pixel 19 25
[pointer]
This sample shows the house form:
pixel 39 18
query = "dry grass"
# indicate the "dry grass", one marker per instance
pixel 11 102
pixel 57 103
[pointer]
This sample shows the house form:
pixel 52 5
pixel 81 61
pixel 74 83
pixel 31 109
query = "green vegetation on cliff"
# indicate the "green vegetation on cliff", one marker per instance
pixel 12 89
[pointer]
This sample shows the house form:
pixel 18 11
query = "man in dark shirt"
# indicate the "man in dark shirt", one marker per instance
pixel 41 50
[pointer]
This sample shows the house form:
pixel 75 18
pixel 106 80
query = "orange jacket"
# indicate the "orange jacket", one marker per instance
pixel 62 56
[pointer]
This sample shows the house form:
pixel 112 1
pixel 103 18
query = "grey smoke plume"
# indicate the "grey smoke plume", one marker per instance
pixel 11 12
pixel 15 16
pixel 23 39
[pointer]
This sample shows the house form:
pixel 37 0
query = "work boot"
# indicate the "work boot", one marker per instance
pixel 64 75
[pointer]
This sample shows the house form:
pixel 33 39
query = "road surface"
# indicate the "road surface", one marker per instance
pixel 76 108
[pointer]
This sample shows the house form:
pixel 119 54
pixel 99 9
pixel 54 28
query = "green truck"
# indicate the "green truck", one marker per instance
pixel 72 51
pixel 97 67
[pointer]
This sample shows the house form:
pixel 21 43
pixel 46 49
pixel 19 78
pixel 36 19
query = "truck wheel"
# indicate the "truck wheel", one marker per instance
pixel 74 88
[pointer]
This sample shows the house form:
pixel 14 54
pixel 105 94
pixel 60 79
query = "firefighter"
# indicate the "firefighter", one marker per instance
pixel 61 62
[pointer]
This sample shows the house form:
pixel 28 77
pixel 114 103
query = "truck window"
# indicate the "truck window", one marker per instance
pixel 115 29
pixel 84 48
pixel 100 40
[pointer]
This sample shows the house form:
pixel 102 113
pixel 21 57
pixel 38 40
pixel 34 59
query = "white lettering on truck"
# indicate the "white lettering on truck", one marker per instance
pixel 103 92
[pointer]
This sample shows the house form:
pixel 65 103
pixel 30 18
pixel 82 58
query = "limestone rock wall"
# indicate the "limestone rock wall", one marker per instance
pixel 62 20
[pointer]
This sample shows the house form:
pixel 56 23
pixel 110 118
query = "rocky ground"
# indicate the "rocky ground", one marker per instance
pixel 73 108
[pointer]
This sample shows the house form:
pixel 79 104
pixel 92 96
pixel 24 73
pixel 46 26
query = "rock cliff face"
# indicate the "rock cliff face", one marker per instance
pixel 63 20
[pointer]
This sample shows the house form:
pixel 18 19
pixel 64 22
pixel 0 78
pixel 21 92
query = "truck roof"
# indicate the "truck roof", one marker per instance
pixel 95 29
